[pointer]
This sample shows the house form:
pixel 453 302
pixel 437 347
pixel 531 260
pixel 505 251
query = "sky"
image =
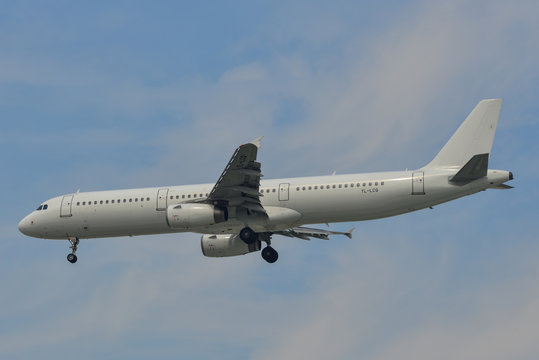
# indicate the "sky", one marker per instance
pixel 118 94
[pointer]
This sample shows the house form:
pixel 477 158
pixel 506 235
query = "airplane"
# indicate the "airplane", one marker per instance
pixel 240 211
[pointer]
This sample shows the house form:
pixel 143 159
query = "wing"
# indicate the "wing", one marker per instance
pixel 238 185
pixel 306 233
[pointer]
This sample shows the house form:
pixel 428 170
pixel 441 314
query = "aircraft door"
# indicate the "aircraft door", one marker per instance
pixel 284 191
pixel 162 199
pixel 65 208
pixel 418 183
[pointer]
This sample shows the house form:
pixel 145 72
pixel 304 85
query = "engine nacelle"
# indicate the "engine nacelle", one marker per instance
pixel 226 245
pixel 188 216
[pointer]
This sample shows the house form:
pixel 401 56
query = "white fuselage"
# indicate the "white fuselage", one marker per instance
pixel 289 202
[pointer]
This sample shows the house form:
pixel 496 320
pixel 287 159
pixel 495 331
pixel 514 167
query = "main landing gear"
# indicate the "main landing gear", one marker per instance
pixel 249 236
pixel 270 254
pixel 72 258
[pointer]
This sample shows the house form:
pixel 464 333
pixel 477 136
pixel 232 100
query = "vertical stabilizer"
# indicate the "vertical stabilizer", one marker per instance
pixel 474 136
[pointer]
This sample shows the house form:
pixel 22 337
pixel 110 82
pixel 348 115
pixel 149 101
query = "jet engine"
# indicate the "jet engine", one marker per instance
pixel 226 245
pixel 188 216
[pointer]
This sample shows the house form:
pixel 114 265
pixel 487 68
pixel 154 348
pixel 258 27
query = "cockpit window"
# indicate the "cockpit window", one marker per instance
pixel 39 208
pixel 45 207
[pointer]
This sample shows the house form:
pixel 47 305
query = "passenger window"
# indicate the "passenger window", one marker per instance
pixel 345 185
pixel 84 203
pixel 340 186
pixel 136 199
pixel 112 201
pixel 316 187
pixel 310 188
pixel 382 183
pixel 107 202
pixel 334 186
pixel 273 190
pixel 370 184
pixel 125 200
pixel 130 200
pixel 351 185
pixel 327 186
pixel 101 202
pixel 147 199
pixel 183 196
pixel 364 184
pixel 78 203
pixel 189 196
pixel 376 183
pixel 358 184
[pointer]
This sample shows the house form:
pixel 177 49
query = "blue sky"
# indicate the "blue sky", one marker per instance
pixel 106 95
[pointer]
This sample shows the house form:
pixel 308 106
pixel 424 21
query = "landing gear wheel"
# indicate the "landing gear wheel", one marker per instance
pixel 72 258
pixel 248 236
pixel 270 254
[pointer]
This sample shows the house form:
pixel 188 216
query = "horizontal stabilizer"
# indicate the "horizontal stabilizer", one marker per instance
pixel 474 169
pixel 502 187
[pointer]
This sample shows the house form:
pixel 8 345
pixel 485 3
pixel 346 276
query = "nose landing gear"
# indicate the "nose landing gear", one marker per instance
pixel 72 258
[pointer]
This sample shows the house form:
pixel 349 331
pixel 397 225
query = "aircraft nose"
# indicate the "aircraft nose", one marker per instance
pixel 24 226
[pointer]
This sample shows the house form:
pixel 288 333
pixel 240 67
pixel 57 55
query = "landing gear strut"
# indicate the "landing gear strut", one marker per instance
pixel 72 258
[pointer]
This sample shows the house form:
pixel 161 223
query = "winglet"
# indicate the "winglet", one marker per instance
pixel 256 141
pixel 349 233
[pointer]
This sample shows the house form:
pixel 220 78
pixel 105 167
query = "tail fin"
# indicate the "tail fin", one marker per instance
pixel 474 136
